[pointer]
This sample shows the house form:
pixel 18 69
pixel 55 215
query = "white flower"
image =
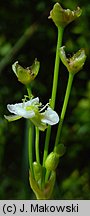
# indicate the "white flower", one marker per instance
pixel 32 110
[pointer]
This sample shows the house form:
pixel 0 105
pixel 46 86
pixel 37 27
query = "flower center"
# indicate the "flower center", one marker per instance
pixel 32 107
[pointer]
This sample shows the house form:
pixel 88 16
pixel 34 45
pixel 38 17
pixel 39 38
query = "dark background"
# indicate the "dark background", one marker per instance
pixel 73 172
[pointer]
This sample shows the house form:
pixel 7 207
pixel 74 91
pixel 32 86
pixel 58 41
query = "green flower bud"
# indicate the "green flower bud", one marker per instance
pixel 52 161
pixel 62 17
pixel 26 75
pixel 60 150
pixel 37 171
pixel 74 63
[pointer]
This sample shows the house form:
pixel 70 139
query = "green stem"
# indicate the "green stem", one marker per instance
pixel 37 145
pixel 68 90
pixel 56 68
pixel 54 89
pixel 46 144
pixel 30 147
pixel 47 176
pixel 28 87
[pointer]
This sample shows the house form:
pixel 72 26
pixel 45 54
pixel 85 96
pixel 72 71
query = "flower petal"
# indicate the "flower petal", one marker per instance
pixel 19 110
pixel 50 117
pixel 12 117
pixel 34 101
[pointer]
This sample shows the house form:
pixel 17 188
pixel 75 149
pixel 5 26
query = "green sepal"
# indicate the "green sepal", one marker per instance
pixel 36 120
pixel 26 75
pixel 60 150
pixel 12 117
pixel 62 17
pixel 52 161
pixel 74 63
pixel 34 68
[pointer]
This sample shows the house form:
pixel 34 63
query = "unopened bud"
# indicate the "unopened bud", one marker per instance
pixel 52 161
pixel 60 150
pixel 37 171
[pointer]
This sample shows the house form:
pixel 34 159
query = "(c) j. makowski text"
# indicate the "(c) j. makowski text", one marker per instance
pixel 51 208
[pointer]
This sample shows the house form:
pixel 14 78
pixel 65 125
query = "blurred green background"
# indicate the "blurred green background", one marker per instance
pixel 26 34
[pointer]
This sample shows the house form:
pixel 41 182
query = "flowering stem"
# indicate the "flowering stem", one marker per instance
pixel 30 147
pixel 37 145
pixel 54 89
pixel 69 85
pixel 29 90
pixel 47 176
pixel 56 68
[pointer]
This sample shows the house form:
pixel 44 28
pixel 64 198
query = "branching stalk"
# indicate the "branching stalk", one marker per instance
pixel 30 147
pixel 54 89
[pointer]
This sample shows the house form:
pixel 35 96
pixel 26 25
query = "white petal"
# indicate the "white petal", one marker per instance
pixel 19 110
pixel 50 117
pixel 31 102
